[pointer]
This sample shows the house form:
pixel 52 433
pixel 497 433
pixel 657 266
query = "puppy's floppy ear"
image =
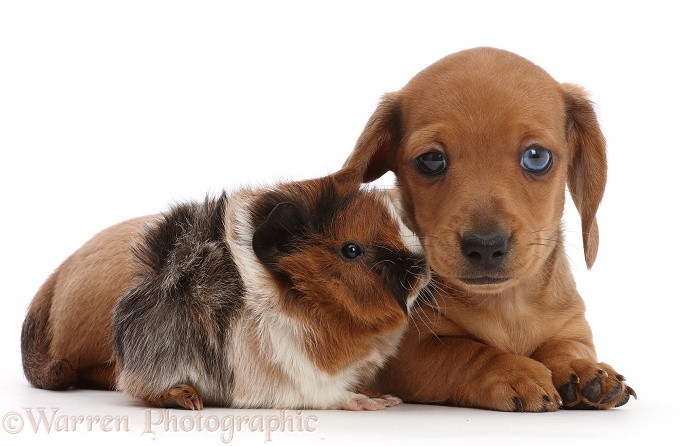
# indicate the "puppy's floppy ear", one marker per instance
pixel 375 151
pixel 277 234
pixel 587 170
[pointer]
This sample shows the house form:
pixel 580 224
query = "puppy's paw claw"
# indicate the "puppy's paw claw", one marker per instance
pixel 626 396
pixel 517 402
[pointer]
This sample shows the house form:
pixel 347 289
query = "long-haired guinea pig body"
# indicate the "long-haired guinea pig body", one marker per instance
pixel 291 297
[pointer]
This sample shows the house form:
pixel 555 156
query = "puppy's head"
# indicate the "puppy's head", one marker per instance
pixel 483 143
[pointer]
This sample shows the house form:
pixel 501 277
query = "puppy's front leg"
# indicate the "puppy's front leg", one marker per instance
pixel 582 381
pixel 464 372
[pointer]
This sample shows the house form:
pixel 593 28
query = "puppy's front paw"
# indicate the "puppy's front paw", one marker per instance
pixel 515 383
pixel 584 384
pixel 183 396
pixel 358 401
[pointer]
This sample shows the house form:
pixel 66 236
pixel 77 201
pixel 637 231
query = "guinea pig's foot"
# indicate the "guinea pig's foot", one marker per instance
pixel 183 396
pixel 389 400
pixel 358 401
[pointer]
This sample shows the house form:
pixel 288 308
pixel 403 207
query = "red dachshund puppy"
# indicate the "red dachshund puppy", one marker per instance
pixel 483 144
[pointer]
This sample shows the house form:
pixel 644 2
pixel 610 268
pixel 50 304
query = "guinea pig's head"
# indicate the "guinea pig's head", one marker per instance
pixel 341 255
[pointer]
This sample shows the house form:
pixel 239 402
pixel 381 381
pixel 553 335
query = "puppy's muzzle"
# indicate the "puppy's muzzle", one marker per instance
pixel 485 252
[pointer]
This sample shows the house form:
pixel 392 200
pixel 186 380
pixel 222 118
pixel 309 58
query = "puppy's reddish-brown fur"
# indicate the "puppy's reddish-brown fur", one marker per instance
pixel 513 337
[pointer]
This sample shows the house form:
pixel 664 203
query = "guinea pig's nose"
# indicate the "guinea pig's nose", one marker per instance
pixel 485 251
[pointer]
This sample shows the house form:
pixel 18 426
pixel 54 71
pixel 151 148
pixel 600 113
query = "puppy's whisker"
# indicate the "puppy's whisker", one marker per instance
pixel 420 312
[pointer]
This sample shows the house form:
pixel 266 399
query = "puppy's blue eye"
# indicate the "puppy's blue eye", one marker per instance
pixel 536 159
pixel 431 163
pixel 351 251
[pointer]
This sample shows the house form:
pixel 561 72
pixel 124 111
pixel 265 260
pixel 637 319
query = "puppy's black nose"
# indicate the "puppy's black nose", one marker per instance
pixel 485 251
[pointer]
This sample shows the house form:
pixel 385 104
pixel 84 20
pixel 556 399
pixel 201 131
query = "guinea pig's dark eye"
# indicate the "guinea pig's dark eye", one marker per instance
pixel 351 251
pixel 431 163
pixel 536 159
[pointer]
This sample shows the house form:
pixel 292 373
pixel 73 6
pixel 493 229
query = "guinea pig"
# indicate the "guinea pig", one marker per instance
pixel 285 297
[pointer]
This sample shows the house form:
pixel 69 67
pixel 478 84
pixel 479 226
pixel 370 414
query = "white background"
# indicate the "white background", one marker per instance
pixel 110 110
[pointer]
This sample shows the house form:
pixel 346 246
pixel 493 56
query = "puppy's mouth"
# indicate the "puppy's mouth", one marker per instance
pixel 484 280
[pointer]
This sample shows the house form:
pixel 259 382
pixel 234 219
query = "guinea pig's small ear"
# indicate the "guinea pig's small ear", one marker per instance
pixel 587 170
pixel 375 151
pixel 273 238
